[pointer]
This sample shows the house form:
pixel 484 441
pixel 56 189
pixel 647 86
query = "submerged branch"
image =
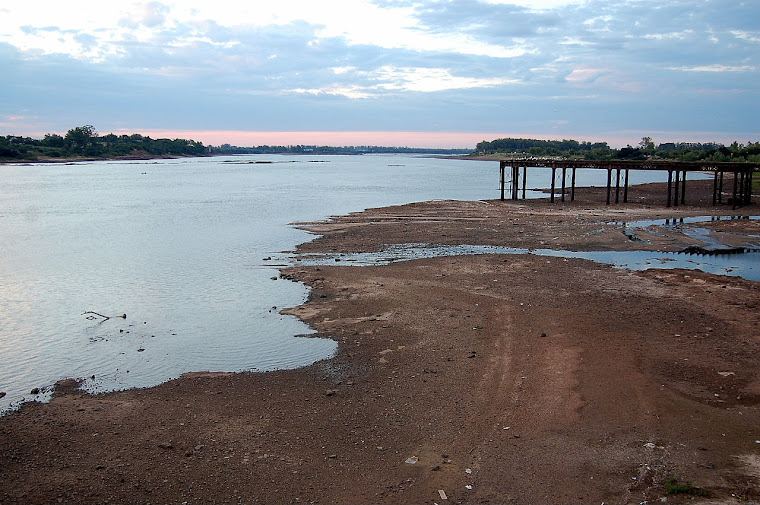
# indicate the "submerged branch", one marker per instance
pixel 105 318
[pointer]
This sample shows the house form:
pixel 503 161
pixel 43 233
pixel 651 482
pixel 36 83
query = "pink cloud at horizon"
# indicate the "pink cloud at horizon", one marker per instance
pixel 443 140
pixel 349 138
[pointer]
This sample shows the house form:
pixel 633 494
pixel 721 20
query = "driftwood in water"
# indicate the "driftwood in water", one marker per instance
pixel 105 318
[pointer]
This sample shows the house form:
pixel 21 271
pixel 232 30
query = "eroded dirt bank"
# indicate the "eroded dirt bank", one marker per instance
pixel 529 379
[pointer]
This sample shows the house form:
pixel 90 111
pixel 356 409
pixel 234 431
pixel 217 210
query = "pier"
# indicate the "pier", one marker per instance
pixel 741 182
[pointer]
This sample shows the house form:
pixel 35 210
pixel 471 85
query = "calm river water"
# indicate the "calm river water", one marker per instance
pixel 179 246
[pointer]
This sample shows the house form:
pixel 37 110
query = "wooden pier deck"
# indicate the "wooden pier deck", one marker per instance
pixel 741 190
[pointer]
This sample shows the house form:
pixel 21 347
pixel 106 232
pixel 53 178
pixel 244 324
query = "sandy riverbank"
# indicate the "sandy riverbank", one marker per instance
pixel 528 379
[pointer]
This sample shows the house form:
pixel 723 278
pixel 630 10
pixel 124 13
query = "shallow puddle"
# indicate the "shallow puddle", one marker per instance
pixel 711 243
pixel 746 265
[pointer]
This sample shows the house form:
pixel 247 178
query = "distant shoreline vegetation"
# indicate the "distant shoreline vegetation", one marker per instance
pixel 84 143
pixel 646 149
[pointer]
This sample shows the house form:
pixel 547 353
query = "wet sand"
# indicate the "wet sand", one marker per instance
pixel 484 379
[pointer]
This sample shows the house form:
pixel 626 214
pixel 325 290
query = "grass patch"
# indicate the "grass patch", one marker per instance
pixel 672 486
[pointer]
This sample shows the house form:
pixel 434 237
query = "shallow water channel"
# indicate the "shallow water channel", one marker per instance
pixel 712 257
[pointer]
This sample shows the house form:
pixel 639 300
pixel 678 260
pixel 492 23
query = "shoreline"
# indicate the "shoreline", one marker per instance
pixel 488 372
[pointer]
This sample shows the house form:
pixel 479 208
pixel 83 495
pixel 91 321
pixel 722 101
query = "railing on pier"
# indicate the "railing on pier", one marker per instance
pixel 677 170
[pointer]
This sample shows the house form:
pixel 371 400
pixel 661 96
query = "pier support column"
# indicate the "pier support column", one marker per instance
pixel 715 188
pixel 554 175
pixel 572 187
pixel 516 185
pixel 502 167
pixel 609 184
pixel 677 185
pixel 736 181
pixel 670 186
pixel 748 196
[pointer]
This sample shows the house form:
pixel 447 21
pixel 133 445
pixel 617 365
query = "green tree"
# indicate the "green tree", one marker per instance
pixel 53 140
pixel 647 145
pixel 79 139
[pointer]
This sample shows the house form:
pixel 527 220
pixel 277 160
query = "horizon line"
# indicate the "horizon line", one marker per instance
pixel 414 139
pixel 435 140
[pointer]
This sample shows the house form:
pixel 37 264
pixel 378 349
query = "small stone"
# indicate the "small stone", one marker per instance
pixel 412 460
pixel 435 468
pixel 166 445
pixel 330 392
pixel 35 391
pixel 543 335
pixel 332 456
pixel 140 349
pixel 2 393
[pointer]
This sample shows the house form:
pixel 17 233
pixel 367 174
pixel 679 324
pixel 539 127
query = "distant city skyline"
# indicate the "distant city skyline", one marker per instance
pixel 424 73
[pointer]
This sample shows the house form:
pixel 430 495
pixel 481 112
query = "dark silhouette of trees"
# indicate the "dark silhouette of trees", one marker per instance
pixel 84 142
pixel 571 149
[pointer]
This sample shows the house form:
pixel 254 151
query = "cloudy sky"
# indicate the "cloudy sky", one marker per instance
pixel 384 72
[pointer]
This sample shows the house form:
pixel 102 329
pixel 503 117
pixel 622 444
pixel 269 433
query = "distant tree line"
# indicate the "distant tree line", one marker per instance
pixel 307 149
pixel 84 142
pixel 646 149
pixel 539 148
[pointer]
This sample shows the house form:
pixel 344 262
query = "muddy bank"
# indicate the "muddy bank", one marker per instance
pixel 494 379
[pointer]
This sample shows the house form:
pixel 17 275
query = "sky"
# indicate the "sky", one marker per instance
pixel 418 73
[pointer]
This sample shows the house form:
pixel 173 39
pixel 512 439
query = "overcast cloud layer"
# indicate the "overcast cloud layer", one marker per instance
pixel 610 70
